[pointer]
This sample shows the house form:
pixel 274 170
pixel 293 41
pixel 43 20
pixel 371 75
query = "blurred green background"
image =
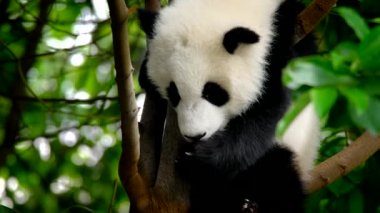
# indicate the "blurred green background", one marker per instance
pixel 59 115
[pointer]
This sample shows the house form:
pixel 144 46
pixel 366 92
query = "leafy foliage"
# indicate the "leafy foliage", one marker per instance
pixel 343 83
pixel 61 97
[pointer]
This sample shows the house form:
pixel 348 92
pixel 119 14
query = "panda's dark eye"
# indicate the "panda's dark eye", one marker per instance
pixel 173 94
pixel 215 94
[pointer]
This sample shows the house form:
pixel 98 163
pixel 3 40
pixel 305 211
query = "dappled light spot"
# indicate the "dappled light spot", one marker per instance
pixel 76 59
pixel 61 185
pixel 84 197
pixel 22 146
pixel 85 23
pixel 88 156
pixel 21 196
pixel 6 201
pixel 91 133
pixel 2 187
pixel 12 184
pixel 64 183
pixel 101 9
pixel 83 39
pixel 69 137
pixel 43 147
pixel 81 95
pixel 66 43
pixel 103 72
pixel 107 141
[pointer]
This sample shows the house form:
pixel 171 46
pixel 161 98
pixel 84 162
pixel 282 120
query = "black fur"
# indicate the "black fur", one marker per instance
pixel 238 35
pixel 147 19
pixel 215 94
pixel 242 161
pixel 271 185
pixel 173 94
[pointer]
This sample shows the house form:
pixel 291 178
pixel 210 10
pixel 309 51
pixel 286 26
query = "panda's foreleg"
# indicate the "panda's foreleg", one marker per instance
pixel 272 184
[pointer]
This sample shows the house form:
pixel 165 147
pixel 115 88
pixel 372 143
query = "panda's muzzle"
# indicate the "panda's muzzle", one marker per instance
pixel 194 138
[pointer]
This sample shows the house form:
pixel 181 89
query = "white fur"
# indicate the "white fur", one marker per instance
pixel 302 137
pixel 187 49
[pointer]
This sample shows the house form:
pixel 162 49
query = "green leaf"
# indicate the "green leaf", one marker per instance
pixel 34 120
pixel 369 52
pixel 313 71
pixel 358 98
pixel 354 20
pixel 4 209
pixel 356 202
pixel 370 119
pixel 292 113
pixel 344 55
pixel 375 20
pixel 371 85
pixel 341 118
pixel 323 99
pixel 340 187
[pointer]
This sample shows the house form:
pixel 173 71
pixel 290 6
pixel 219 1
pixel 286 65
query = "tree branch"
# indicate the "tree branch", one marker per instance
pixel 310 17
pixel 132 182
pixel 343 162
pixel 152 5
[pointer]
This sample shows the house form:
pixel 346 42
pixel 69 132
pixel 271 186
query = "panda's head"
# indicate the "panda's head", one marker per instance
pixel 208 59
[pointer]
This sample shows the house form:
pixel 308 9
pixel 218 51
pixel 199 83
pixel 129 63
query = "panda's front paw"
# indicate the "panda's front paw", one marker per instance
pixel 192 167
pixel 187 164
pixel 249 206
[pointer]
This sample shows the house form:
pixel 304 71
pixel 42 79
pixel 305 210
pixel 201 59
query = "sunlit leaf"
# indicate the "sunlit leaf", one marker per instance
pixel 323 99
pixel 313 71
pixel 343 56
pixel 354 20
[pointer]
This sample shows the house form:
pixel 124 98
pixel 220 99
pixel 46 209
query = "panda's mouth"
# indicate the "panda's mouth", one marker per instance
pixel 195 138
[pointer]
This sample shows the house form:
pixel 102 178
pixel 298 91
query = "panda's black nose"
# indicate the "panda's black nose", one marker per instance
pixel 195 137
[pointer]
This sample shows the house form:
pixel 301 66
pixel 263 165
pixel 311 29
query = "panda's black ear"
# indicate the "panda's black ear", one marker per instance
pixel 238 35
pixel 147 19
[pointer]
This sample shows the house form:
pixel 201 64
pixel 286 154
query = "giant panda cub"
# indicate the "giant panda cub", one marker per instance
pixel 218 63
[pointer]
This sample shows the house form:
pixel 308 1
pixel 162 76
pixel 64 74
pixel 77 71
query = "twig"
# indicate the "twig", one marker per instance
pixel 152 5
pixel 310 17
pixel 63 100
pixel 19 87
pixel 343 162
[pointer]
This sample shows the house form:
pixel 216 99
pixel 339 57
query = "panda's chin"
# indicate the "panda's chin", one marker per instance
pixel 191 141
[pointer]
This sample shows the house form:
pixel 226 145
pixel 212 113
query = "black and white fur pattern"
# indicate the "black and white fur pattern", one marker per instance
pixel 219 64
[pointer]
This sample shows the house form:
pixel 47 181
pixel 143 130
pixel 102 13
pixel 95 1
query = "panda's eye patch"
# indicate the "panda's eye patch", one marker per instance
pixel 215 94
pixel 173 94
